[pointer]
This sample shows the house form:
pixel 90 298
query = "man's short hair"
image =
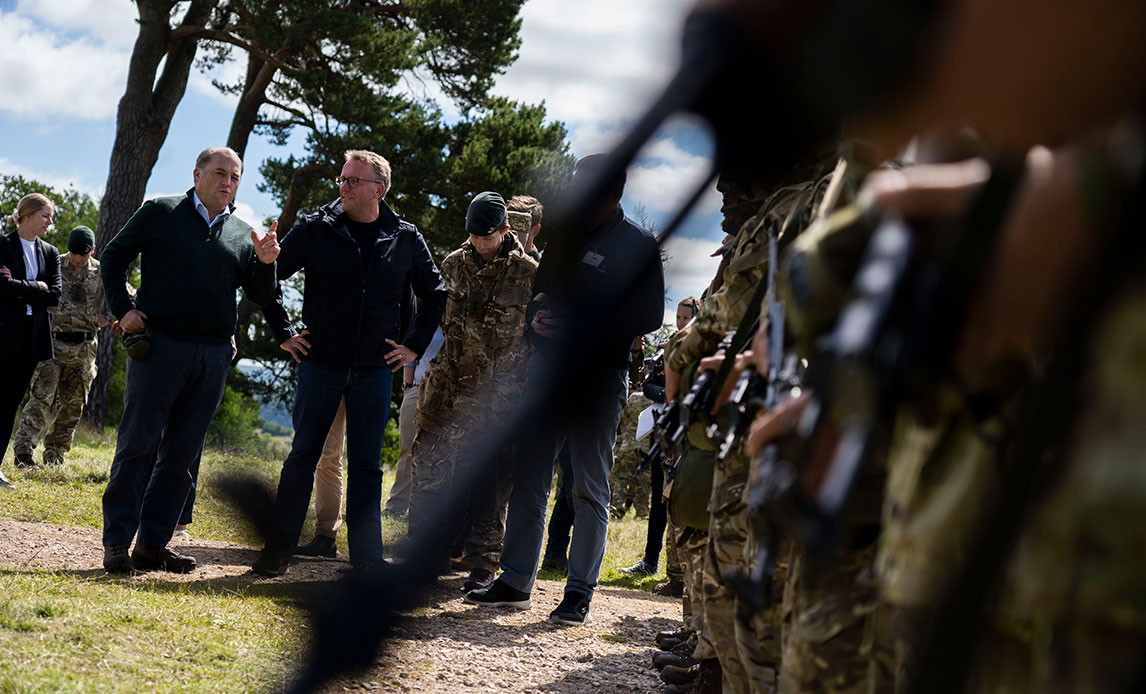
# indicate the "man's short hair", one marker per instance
pixel 206 155
pixel 594 165
pixel 381 166
pixel 527 203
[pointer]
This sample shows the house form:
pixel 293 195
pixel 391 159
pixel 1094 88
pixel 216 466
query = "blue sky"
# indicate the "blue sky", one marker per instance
pixel 595 63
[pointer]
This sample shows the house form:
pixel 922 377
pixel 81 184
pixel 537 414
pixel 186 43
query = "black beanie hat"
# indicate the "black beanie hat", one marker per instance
pixel 486 214
pixel 81 240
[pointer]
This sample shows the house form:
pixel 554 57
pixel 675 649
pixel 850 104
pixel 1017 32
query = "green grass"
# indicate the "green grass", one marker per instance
pixel 82 631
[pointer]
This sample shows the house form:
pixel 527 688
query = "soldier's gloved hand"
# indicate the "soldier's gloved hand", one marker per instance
pixel 296 346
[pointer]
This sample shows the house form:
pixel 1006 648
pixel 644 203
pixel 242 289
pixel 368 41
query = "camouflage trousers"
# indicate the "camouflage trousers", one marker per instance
pixel 691 544
pixel 61 385
pixel 750 654
pixel 629 488
pixel 833 643
pixel 673 567
pixel 439 459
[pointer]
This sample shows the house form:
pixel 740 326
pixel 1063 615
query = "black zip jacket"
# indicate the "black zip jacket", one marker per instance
pixel 351 315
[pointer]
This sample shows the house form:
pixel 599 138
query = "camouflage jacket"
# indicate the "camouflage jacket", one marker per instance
pixel 747 263
pixel 485 346
pixel 81 301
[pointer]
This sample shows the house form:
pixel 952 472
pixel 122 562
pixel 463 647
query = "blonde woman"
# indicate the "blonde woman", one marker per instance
pixel 29 284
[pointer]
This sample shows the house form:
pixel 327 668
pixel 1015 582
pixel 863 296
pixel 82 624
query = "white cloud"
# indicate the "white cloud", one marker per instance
pixel 46 72
pixel 112 22
pixel 664 175
pixel 594 60
pixel 691 266
pixel 57 180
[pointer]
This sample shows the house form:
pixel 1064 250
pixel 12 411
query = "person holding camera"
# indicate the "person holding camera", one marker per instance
pixel 29 284
pixel 178 331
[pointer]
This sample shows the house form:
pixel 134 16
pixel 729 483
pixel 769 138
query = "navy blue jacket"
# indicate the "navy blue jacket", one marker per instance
pixel 350 315
pixel 18 292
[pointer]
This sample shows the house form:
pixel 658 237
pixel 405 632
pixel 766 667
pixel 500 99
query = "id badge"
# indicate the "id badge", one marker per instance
pixel 593 259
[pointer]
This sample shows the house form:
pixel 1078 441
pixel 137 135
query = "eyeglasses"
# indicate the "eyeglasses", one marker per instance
pixel 353 181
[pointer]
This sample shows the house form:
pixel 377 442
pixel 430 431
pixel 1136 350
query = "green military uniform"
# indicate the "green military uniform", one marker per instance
pixel 476 378
pixel 837 634
pixel 748 660
pixel 61 383
pixel 1071 616
pixel 625 485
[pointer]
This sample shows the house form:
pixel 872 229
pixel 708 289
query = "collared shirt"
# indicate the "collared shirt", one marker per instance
pixel 423 362
pixel 202 210
pixel 31 265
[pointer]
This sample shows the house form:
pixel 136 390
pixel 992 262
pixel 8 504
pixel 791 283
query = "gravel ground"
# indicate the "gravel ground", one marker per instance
pixel 446 646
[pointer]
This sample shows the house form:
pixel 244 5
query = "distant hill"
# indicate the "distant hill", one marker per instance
pixel 270 412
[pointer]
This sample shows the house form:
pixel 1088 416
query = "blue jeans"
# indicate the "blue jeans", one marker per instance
pixel 168 403
pixel 320 388
pixel 590 431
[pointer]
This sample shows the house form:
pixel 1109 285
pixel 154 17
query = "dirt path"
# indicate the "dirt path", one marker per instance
pixel 447 646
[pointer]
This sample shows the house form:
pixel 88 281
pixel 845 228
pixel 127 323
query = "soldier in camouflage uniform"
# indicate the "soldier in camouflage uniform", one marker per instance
pixel 62 382
pixel 475 379
pixel 748 660
pixel 628 487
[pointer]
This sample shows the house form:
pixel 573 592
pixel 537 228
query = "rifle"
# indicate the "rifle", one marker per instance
pixel 672 426
pixel 891 343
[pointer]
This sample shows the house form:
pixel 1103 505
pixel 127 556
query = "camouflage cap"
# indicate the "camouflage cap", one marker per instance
pixel 486 214
pixel 81 240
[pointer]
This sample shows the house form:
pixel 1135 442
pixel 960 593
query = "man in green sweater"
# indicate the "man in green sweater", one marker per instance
pixel 193 255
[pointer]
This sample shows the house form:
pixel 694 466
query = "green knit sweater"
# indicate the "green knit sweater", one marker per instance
pixel 188 272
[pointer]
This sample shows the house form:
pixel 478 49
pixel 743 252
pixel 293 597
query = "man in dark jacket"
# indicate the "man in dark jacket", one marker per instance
pixel 359 258
pixel 612 266
pixel 194 253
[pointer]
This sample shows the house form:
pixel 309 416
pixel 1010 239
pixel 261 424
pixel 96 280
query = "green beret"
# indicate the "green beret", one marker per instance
pixel 486 214
pixel 81 240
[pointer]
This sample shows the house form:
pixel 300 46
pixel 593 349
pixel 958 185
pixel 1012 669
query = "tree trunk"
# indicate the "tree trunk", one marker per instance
pixel 259 76
pixel 142 122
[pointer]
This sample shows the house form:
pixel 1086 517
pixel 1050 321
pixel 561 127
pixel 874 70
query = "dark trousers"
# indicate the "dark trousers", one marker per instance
pixel 320 389
pixel 168 403
pixel 561 520
pixel 658 516
pixel 15 377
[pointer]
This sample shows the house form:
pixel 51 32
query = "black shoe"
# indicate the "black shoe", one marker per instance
pixel 574 609
pixel 320 546
pixel 559 564
pixel 663 658
pixel 499 594
pixel 116 560
pixel 673 588
pixel 479 579
pixel 678 635
pixel 271 563
pixel 671 674
pixel 24 460
pixel 687 688
pixel 641 568
pixel 157 558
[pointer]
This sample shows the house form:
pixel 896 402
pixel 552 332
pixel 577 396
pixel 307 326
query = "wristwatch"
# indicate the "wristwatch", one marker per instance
pixel 407 386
